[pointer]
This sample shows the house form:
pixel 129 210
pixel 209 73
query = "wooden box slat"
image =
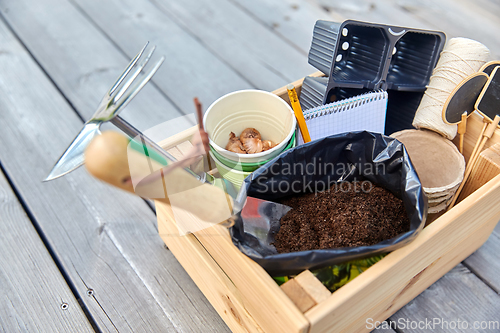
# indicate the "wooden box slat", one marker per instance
pixel 239 289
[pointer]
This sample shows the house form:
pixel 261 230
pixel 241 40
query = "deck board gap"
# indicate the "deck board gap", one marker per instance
pixel 49 248
pixel 478 275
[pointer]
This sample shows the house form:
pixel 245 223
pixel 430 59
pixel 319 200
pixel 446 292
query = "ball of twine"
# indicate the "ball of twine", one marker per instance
pixel 460 58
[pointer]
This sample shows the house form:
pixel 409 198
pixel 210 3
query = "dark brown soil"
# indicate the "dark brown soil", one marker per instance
pixel 345 216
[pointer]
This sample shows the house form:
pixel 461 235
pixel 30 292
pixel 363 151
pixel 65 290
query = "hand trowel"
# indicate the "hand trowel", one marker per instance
pixel 121 162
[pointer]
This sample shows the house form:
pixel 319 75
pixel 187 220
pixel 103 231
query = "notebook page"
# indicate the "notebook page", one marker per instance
pixel 363 112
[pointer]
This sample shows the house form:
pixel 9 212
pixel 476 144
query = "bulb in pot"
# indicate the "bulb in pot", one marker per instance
pixel 252 145
pixel 235 145
pixel 250 138
pixel 249 133
pixel 267 144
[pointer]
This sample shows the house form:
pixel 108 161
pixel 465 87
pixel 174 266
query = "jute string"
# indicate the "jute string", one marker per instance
pixel 460 58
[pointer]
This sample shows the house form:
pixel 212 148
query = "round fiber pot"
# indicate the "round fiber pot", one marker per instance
pixel 438 163
pixel 264 111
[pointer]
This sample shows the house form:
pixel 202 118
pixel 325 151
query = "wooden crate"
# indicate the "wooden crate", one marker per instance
pixel 249 300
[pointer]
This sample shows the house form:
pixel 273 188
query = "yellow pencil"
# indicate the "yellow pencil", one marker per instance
pixel 294 100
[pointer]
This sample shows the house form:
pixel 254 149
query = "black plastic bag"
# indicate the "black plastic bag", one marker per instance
pixel 361 156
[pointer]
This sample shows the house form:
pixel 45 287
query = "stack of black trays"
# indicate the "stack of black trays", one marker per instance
pixel 357 57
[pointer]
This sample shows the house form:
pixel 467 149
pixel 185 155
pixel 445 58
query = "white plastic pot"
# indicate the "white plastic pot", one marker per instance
pixel 264 111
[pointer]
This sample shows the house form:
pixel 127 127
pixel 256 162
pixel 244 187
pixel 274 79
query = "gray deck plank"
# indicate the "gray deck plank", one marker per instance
pixel 472 19
pixel 385 11
pixel 292 20
pixel 82 61
pixel 250 49
pixel 456 18
pixel 263 57
pixel 191 69
pixel 33 294
pixel 459 295
pixel 106 240
pixel 484 262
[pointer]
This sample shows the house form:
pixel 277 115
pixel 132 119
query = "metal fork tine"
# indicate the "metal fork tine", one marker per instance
pixel 133 77
pixel 135 90
pixel 127 70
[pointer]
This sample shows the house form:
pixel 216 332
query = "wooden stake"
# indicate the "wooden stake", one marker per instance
pixel 490 129
pixel 461 129
pixel 486 168
pixel 474 151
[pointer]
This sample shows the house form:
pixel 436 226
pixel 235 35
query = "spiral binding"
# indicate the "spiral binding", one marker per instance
pixel 345 104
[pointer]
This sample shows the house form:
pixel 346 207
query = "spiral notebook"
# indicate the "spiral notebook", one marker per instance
pixel 358 113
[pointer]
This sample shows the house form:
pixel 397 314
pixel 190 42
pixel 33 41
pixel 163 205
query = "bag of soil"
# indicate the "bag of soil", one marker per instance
pixel 318 166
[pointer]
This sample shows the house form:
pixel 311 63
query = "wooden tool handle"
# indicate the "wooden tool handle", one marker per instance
pixel 109 158
pixel 105 160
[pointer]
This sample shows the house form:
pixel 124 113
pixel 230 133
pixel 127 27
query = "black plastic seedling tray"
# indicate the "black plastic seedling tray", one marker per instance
pixel 361 55
pixel 401 105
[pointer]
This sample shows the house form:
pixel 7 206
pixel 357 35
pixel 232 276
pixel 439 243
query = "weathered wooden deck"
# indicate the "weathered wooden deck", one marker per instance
pixel 77 255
